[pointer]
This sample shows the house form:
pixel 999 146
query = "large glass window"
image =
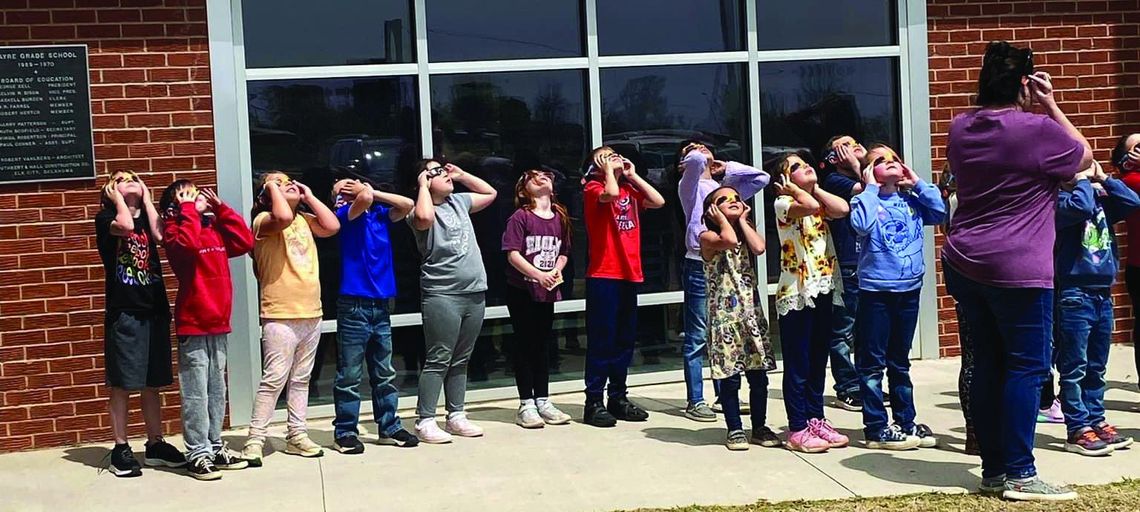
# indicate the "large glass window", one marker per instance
pixel 326 33
pixel 504 29
pixel 787 25
pixel 647 114
pixel 803 104
pixel 671 26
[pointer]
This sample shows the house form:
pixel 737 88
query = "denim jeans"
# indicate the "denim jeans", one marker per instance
pixel 611 330
pixel 364 337
pixel 843 334
pixel 1012 333
pixel 757 396
pixel 202 384
pixel 696 332
pixel 886 329
pixel 806 335
pixel 1084 333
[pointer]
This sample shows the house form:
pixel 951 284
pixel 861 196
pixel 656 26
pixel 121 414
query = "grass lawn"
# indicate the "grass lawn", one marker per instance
pixel 1122 496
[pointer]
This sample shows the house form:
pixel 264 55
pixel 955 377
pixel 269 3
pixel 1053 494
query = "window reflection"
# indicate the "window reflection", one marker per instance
pixel 327 33
pixel 803 104
pixel 669 26
pixel 784 25
pixel 647 113
pixel 504 29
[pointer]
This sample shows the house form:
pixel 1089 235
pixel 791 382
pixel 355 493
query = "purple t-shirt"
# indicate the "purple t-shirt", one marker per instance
pixel 1008 165
pixel 540 241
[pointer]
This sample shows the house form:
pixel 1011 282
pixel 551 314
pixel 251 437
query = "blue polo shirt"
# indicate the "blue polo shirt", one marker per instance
pixel 366 254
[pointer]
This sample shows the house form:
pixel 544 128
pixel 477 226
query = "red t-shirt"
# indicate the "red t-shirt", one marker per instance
pixel 614 232
pixel 1132 258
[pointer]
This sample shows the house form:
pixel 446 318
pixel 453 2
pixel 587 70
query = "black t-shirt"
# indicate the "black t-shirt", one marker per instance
pixel 132 267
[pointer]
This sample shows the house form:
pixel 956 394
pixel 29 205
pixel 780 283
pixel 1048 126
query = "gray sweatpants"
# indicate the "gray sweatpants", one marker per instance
pixel 451 326
pixel 202 382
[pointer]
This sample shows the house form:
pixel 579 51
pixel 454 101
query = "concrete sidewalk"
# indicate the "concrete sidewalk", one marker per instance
pixel 667 461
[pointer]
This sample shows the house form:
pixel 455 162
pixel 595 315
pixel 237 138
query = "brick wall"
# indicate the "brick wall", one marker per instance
pixel 150 89
pixel 1089 47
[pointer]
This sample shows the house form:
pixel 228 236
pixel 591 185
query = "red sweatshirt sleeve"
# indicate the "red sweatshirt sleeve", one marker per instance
pixel 236 236
pixel 182 233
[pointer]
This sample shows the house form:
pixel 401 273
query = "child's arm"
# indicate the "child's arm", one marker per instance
pixel 482 193
pixel 323 222
pixel 752 238
pixel 692 167
pixel 721 239
pixel 123 223
pixel 802 203
pixel 400 206
pixel 280 214
pixel 362 202
pixel 182 232
pixel 652 199
pixel 929 201
pixel 152 217
pixel 833 206
pixel 1076 206
pixel 1121 200
pixel 863 209
pixel 747 180
pixel 236 235
pixel 423 213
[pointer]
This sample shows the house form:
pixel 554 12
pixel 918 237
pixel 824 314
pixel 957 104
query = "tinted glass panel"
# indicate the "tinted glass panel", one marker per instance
pixel 326 33
pixel 803 104
pixel 498 125
pixel 783 25
pixel 504 29
pixel 315 129
pixel 647 113
pixel 669 26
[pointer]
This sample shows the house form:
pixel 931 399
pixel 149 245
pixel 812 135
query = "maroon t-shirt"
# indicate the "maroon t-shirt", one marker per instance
pixel 541 241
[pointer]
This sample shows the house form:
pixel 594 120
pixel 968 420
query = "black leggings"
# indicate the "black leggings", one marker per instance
pixel 533 323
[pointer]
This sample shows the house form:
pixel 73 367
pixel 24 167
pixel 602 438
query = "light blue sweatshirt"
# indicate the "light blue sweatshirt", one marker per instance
pixel 890 234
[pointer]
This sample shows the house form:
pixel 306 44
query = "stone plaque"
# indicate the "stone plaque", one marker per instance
pixel 45 114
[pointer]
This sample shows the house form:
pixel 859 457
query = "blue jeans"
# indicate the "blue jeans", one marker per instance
pixel 696 333
pixel 757 396
pixel 843 334
pixel 1012 334
pixel 364 335
pixel 805 335
pixel 202 384
pixel 1084 329
pixel 611 330
pixel 886 329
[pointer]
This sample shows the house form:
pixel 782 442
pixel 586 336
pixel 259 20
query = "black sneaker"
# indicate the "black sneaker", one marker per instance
pixel 202 468
pixel 924 434
pixel 597 415
pixel 625 410
pixel 229 461
pixel 349 444
pixel 401 438
pixel 892 438
pixel 162 453
pixel 123 462
pixel 764 436
pixel 849 401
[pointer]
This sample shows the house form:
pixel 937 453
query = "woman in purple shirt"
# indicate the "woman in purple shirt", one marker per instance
pixel 998 258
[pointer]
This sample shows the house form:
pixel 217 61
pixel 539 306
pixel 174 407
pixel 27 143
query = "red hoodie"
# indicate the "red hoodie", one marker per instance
pixel 199 256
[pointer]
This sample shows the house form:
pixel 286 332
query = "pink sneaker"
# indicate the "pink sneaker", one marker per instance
pixel 429 432
pixel 458 424
pixel 806 441
pixel 1051 415
pixel 825 431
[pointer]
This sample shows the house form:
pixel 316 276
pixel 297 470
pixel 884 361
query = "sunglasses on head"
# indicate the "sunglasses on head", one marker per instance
pixel 433 172
pixel 727 198
pixel 530 175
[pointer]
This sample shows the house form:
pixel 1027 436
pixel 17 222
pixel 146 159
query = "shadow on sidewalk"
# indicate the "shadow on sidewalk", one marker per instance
pixel 686 436
pixel 99 458
pixel 916 472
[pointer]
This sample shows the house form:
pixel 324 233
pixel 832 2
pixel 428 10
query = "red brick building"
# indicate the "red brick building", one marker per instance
pixel 153 110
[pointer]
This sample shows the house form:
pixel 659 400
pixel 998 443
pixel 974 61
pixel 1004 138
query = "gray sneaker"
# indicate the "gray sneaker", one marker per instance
pixel 1033 489
pixel 700 411
pixel 992 486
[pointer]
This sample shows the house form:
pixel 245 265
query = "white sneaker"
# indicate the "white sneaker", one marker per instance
pixel 458 424
pixel 550 414
pixel 429 432
pixel 300 444
pixel 252 452
pixel 528 417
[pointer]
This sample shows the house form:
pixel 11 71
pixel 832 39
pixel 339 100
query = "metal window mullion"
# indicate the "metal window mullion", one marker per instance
pixel 672 59
pixel 808 54
pixel 756 135
pixel 496 66
pixel 423 78
pixel 593 74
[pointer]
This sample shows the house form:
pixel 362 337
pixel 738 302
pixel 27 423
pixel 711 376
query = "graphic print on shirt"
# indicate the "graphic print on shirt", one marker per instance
pixel 299 251
pixel 543 251
pixel 623 218
pixel 457 237
pixel 133 266
pixel 900 235
pixel 1097 239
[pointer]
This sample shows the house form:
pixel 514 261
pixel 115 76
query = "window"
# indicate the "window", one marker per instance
pixel 787 25
pixel 504 29
pixel 647 113
pixel 803 104
pixel 331 32
pixel 672 26
pixel 498 125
